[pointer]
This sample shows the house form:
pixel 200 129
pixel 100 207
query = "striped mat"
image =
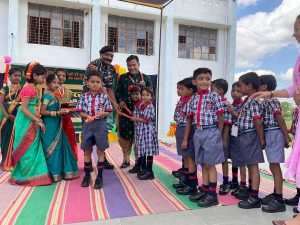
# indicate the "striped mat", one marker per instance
pixel 123 194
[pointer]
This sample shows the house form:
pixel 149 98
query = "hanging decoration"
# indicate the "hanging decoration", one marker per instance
pixel 4 67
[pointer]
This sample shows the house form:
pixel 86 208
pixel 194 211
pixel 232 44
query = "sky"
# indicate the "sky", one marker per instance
pixel 264 38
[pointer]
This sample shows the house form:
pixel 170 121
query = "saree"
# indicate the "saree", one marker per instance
pixel 293 161
pixel 58 152
pixel 7 127
pixel 30 167
pixel 65 95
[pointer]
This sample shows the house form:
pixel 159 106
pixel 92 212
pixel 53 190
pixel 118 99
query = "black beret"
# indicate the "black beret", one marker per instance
pixel 107 48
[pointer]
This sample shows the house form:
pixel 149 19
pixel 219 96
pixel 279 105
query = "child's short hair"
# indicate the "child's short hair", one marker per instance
pixel 50 78
pixel 35 68
pixel 179 82
pixel 188 83
pixel 268 80
pixel 235 84
pixel 92 73
pixel 221 83
pixel 134 89
pixel 198 71
pixel 149 90
pixel 13 70
pixel 251 78
pixel 61 70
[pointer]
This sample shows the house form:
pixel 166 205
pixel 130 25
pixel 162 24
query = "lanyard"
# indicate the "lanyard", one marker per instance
pixel 142 76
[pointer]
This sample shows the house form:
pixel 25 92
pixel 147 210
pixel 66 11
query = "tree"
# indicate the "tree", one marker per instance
pixel 287 110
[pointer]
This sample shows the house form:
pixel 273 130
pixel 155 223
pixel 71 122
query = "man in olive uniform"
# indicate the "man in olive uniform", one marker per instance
pixel 108 76
pixel 126 126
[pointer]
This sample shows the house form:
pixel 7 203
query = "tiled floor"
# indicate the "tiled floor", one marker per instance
pixel 227 215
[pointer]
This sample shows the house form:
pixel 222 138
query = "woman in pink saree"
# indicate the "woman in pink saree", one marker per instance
pixel 293 161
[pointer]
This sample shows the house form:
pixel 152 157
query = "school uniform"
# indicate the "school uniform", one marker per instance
pixel 204 107
pixel 233 146
pixel 95 132
pixel 275 140
pixel 180 117
pixel 227 121
pixel 145 133
pixel 251 151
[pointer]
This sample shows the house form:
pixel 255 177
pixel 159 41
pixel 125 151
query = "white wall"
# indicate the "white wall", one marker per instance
pixel 213 11
pixel 4 28
pixel 48 54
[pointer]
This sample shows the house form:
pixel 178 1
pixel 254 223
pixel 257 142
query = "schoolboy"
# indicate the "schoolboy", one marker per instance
pixel 251 137
pixel 277 137
pixel 241 191
pixel 206 111
pixel 180 172
pixel 187 185
pixel 95 132
pixel 220 86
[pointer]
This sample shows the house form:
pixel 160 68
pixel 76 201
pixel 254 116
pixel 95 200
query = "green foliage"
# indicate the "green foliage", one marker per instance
pixel 287 109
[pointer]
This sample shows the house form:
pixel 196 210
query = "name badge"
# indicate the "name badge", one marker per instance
pixel 234 130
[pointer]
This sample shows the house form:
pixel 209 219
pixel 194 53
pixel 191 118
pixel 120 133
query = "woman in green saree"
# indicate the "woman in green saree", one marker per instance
pixel 30 167
pixel 9 103
pixel 58 152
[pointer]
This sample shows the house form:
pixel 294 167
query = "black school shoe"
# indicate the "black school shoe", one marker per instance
pixel 146 176
pixel 174 172
pixel 250 203
pixel 125 164
pixel 225 189
pixel 242 193
pixel 198 196
pixel 295 210
pixel 274 206
pixel 181 188
pixel 178 174
pixel 292 201
pixel 208 201
pixel 179 185
pixel 134 169
pixel 234 186
pixel 108 165
pixel 86 181
pixel 141 172
pixel 267 199
pixel 233 192
pixel 98 183
pixel 187 190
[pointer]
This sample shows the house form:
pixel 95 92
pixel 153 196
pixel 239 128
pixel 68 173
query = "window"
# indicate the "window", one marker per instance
pixel 197 43
pixel 50 25
pixel 130 35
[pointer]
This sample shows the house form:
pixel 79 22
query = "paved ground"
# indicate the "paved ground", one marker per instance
pixel 226 215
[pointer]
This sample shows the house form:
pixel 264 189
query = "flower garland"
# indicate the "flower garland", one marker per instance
pixel 30 69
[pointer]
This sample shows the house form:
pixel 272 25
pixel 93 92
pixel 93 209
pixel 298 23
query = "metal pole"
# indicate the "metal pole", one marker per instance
pixel 158 70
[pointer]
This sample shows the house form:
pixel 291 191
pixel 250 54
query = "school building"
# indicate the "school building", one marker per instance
pixel 69 34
